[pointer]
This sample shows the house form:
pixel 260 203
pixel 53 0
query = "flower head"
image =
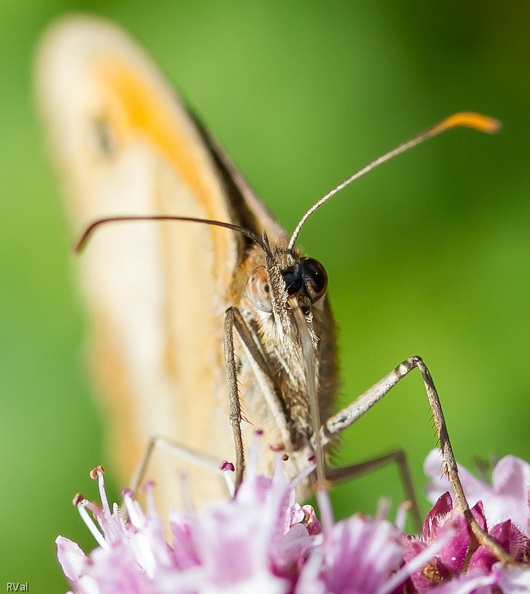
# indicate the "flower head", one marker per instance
pixel 508 497
pixel 262 541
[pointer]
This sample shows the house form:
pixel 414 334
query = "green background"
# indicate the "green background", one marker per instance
pixel 427 255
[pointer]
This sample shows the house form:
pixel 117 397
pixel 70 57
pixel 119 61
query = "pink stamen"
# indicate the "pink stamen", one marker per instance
pixel 91 525
pixel 147 486
pixel 227 469
pixel 227 466
pixel 102 494
pixel 130 507
pixel 95 472
pixel 401 515
pixel 78 498
pixel 326 511
pixel 383 507
pixel 304 474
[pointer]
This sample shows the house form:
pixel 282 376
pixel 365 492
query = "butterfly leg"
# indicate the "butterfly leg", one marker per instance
pixel 178 451
pixel 397 457
pixel 234 321
pixel 347 416
pixel 234 402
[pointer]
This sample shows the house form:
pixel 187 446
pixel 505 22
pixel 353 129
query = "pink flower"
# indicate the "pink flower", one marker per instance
pixel 451 559
pixel 262 541
pixel 503 509
pixel 357 555
pixel 255 542
pixel 508 497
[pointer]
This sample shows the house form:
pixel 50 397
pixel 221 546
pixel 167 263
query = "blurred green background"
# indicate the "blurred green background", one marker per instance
pixel 429 254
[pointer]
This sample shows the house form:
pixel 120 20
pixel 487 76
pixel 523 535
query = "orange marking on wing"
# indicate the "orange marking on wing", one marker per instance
pixel 135 108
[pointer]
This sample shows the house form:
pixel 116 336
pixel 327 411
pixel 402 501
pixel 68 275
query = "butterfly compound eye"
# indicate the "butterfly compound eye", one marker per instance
pixel 314 277
pixel 258 290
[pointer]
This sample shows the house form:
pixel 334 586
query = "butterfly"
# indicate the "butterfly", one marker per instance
pixel 195 280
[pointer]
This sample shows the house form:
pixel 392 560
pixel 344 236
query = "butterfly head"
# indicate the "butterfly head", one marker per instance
pixel 286 281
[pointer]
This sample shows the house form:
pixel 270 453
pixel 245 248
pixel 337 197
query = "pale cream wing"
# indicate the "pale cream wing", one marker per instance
pixel 156 292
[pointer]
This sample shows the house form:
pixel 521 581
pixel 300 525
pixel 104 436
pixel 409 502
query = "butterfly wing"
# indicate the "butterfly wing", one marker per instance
pixel 156 293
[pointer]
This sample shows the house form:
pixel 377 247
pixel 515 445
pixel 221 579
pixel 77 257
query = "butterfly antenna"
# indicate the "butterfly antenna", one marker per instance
pixel 476 121
pixel 87 233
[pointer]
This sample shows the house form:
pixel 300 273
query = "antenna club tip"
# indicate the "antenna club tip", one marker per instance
pixel 470 119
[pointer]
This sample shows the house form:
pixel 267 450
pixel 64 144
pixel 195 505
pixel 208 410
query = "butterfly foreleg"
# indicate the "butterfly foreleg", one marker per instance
pixel 263 373
pixel 234 402
pixel 347 416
